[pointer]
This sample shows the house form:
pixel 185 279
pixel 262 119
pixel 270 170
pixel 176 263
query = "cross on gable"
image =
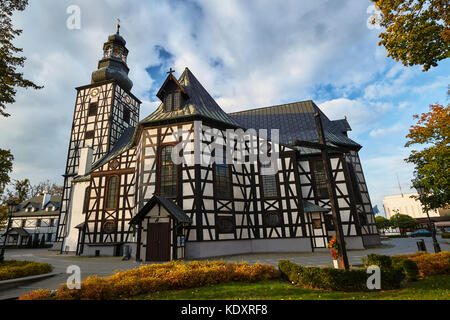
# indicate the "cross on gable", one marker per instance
pixel 170 71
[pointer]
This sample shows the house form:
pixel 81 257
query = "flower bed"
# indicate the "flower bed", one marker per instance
pixel 13 269
pixel 158 277
pixel 430 263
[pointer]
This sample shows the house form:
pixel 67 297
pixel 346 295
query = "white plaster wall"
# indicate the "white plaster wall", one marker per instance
pixel 76 215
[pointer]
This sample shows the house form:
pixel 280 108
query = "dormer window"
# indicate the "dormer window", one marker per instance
pixel 172 101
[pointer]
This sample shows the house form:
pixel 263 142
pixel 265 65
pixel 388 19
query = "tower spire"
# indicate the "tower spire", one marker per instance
pixel 118 25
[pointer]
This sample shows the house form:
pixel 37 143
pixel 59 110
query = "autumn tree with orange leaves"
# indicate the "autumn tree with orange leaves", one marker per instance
pixel 432 131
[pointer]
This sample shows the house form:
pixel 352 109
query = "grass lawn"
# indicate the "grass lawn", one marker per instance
pixel 431 288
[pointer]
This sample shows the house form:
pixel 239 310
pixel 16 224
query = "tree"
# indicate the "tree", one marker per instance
pixel 51 187
pixel 10 79
pixel 6 159
pixel 21 192
pixel 382 223
pixel 432 162
pixel 403 222
pixel 416 32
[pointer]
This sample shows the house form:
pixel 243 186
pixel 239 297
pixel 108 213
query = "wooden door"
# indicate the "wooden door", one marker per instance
pixel 158 242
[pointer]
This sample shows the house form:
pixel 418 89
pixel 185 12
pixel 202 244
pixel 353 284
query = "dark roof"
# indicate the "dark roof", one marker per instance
pixel 342 125
pixel 125 142
pixel 311 207
pixel 295 122
pixel 199 104
pixel 20 231
pixel 171 208
pixel 36 202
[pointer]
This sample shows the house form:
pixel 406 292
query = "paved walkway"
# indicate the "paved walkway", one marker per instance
pixel 104 266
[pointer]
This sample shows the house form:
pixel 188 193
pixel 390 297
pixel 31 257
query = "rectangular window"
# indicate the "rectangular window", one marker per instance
pixel 223 183
pixel 168 102
pixel 329 222
pixel 225 224
pixel 269 183
pixel 126 114
pixel 176 100
pixel 112 189
pixel 93 107
pixel 89 134
pixel 320 179
pixel 168 174
pixel 38 223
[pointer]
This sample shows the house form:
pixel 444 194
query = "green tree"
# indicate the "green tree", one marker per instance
pixel 416 32
pixel 403 222
pixel 6 164
pixel 432 133
pixel 9 61
pixel 382 223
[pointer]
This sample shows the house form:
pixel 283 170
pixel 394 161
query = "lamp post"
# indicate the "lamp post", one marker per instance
pixel 11 207
pixel 421 191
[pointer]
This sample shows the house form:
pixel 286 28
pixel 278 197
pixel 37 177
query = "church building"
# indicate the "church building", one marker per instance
pixel 192 181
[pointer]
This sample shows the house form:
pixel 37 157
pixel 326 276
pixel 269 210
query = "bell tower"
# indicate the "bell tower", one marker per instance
pixel 103 110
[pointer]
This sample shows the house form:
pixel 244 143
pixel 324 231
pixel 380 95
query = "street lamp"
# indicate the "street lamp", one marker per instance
pixel 11 208
pixel 421 191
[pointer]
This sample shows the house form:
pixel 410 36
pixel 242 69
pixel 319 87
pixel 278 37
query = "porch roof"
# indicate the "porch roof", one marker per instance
pixel 174 210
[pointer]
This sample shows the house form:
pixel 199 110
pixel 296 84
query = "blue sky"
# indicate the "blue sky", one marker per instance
pixel 247 54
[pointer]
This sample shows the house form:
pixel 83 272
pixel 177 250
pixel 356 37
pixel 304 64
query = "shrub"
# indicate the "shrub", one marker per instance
pixel 336 279
pixel 386 263
pixel 18 269
pixel 430 263
pixel 158 277
pixel 445 235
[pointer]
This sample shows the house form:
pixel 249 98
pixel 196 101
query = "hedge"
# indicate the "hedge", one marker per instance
pixel 158 277
pixel 407 266
pixel 445 235
pixel 13 269
pixel 337 279
pixel 430 263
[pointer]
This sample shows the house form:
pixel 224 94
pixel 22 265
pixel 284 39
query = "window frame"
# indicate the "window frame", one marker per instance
pixel 225 217
pixel 159 168
pixel 218 193
pixel 92 106
pixel 312 165
pixel 261 184
pixel 172 95
pixel 87 198
pixel 127 111
pixel 105 204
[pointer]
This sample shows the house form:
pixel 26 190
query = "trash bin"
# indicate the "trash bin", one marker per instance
pixel 421 245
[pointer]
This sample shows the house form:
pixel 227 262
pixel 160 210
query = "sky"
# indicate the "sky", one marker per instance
pixel 247 54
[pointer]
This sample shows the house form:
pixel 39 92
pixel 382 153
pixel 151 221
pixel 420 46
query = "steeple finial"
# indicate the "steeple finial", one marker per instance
pixel 118 25
pixel 170 71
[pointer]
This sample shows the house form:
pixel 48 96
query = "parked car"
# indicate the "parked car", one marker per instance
pixel 421 233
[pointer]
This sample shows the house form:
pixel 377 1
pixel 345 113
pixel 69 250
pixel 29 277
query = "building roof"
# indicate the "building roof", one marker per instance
pixel 125 142
pixel 200 104
pixel 19 231
pixel 296 122
pixel 174 210
pixel 36 202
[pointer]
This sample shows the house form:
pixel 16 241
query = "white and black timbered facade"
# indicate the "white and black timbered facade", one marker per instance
pixel 182 182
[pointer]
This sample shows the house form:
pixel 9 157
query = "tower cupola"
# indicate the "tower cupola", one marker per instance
pixel 113 65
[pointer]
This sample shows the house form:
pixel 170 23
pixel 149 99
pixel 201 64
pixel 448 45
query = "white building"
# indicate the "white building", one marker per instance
pixel 35 218
pixel 405 204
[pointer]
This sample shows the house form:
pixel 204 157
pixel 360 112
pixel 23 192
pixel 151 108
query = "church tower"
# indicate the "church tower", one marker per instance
pixel 103 110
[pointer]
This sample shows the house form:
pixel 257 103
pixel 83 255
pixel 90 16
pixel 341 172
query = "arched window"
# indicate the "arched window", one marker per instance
pixel 112 189
pixel 168 173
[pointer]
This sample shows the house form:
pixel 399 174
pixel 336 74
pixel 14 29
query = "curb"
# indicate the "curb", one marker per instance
pixel 13 283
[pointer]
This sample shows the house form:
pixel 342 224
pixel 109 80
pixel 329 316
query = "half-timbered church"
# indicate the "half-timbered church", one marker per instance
pixel 129 188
